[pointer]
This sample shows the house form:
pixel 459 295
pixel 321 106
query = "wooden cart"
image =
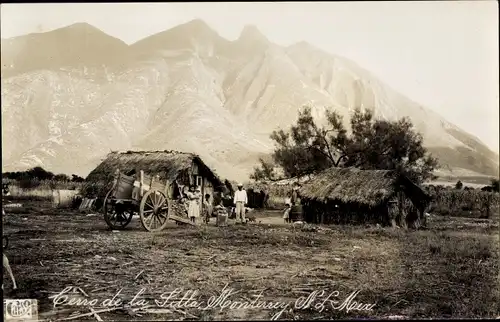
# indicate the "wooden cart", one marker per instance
pixel 148 198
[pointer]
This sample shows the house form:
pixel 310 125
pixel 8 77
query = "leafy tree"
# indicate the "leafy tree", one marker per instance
pixel 16 175
pixel 39 173
pixel 459 185
pixel 76 178
pixel 62 178
pixel 373 144
pixel 36 173
pixel 264 172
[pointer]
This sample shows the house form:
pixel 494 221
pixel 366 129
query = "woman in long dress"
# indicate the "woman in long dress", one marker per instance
pixel 194 204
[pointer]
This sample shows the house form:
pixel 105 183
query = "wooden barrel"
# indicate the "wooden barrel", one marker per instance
pixel 124 187
pixel 296 213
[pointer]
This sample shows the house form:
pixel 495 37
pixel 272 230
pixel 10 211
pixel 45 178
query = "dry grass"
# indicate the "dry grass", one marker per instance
pixel 33 194
pixel 36 184
pixel 449 271
pixel 45 191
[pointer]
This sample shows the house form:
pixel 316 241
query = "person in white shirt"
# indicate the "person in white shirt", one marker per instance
pixel 240 201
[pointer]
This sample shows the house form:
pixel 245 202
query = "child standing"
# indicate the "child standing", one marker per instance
pixel 207 208
pixel 286 214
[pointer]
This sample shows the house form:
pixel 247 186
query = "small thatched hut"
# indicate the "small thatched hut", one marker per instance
pixel 343 195
pixel 254 195
pixel 273 194
pixel 177 169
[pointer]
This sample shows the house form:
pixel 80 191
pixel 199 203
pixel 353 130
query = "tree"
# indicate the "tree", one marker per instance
pixel 61 177
pixel 459 185
pixel 373 144
pixel 76 178
pixel 264 172
pixel 40 173
pixel 16 175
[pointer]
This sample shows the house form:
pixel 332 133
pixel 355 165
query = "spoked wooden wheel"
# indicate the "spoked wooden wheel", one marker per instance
pixel 154 211
pixel 117 216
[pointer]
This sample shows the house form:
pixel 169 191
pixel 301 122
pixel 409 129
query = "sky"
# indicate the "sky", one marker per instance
pixel 443 55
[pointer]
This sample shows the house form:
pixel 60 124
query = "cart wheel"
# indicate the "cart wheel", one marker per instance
pixel 154 211
pixel 117 216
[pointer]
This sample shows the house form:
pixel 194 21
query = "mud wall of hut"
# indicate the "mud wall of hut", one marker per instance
pixel 256 198
pixel 268 195
pixel 397 210
pixel 343 214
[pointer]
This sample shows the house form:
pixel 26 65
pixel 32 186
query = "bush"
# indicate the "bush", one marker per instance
pixel 29 183
pixel 38 174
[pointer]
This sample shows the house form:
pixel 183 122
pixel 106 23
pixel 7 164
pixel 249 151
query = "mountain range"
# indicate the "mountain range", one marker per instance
pixel 71 95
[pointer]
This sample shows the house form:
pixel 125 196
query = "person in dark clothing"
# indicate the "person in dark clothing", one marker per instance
pixel 262 198
pixel 207 208
pixel 295 195
pixel 266 200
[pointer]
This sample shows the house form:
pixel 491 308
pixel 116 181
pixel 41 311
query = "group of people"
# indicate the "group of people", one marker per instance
pixel 193 198
pixel 240 200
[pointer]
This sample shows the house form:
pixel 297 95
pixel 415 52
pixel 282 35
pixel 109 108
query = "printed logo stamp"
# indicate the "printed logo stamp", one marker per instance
pixel 17 310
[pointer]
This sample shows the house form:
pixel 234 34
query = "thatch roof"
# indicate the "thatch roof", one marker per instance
pixel 166 164
pixel 351 185
pixel 290 182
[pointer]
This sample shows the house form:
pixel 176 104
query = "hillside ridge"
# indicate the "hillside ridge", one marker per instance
pixel 189 89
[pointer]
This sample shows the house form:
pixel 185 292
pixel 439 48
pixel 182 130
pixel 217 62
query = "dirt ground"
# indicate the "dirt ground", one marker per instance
pixel 448 271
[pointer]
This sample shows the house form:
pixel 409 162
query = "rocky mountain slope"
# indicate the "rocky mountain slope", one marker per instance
pixel 71 95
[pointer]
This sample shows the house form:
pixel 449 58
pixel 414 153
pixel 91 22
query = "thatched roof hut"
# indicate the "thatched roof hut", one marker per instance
pixel 290 182
pixel 168 165
pixel 363 189
pixel 350 185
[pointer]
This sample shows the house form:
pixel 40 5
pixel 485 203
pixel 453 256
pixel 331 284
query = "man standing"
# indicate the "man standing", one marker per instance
pixel 240 201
